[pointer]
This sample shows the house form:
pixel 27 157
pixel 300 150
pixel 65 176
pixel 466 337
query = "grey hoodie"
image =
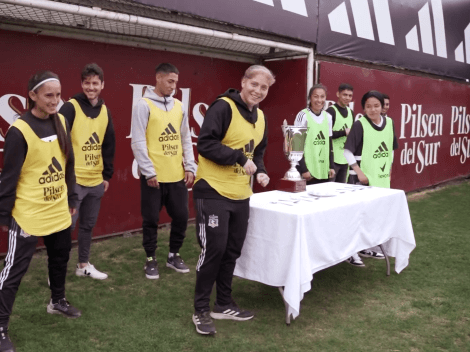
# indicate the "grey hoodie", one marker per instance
pixel 140 117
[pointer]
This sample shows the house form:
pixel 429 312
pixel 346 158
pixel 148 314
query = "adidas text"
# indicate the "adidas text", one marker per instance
pixel 380 155
pixel 169 138
pixel 51 178
pixel 319 143
pixel 91 147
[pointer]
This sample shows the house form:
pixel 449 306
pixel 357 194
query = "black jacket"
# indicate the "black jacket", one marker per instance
pixel 213 130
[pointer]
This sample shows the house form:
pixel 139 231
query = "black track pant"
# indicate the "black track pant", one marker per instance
pixel 221 230
pixel 341 171
pixel 20 252
pixel 174 196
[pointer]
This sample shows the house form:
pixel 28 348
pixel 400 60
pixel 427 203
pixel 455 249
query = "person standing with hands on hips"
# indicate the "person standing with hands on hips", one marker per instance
pixel 317 163
pixel 369 152
pixel 162 147
pixel 37 198
pixel 231 147
pixel 94 144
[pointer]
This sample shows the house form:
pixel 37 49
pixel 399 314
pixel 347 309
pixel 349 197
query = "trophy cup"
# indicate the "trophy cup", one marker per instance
pixel 293 145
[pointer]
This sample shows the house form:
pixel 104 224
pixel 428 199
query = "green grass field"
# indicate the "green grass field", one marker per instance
pixel 425 308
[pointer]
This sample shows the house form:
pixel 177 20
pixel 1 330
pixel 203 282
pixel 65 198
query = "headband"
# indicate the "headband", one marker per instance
pixel 44 81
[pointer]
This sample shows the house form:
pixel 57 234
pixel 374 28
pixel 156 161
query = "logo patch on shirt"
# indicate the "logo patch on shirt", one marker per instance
pixel 169 134
pixel 93 143
pixel 213 221
pixel 320 139
pixel 382 151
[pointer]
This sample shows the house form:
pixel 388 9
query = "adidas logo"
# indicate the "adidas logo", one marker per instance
pixel 53 173
pixel 320 140
pixel 93 143
pixel 381 152
pixel 169 134
pixel 294 6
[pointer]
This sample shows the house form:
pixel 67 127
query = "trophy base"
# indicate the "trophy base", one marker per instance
pixel 291 186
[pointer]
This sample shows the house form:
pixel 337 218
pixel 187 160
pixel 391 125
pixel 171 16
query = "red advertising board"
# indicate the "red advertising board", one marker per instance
pixel 127 71
pixel 431 119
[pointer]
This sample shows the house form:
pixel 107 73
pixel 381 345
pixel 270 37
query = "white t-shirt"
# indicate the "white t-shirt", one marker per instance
pixel 301 119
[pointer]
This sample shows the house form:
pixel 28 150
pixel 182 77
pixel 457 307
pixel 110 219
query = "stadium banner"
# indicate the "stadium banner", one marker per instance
pixel 431 119
pixel 291 18
pixel 425 35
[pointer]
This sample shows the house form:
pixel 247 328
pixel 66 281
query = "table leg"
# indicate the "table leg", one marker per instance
pixel 387 261
pixel 281 290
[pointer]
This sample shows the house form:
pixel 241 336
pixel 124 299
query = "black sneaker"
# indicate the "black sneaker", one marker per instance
pixel 63 307
pixel 5 343
pixel 231 311
pixel 151 268
pixel 371 254
pixel 177 263
pixel 204 323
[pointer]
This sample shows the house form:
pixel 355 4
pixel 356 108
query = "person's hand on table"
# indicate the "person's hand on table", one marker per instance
pixel 262 179
pixel 250 167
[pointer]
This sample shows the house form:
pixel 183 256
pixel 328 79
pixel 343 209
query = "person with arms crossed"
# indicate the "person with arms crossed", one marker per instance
pixel 369 152
pixel 343 118
pixel 231 147
pixel 317 163
pixel 161 143
pixel 37 198
pixel 94 145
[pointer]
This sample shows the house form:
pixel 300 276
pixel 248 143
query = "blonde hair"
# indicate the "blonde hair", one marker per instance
pixel 256 69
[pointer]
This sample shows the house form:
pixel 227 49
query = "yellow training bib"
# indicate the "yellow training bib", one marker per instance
pixel 164 141
pixel 87 139
pixel 41 207
pixel 231 181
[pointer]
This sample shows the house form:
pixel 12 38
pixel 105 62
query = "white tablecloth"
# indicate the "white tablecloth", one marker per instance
pixel 285 245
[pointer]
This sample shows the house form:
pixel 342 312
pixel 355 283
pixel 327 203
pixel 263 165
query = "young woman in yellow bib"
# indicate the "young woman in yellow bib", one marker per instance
pixel 37 197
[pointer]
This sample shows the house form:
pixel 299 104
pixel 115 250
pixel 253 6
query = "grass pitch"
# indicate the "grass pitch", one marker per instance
pixel 425 308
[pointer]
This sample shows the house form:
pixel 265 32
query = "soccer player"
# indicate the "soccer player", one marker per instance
pixel 317 163
pixel 37 198
pixel 231 146
pixel 369 151
pixel 93 142
pixel 343 118
pixel 161 143
pixel 386 105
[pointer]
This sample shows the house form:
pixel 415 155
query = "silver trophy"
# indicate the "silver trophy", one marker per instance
pixel 293 145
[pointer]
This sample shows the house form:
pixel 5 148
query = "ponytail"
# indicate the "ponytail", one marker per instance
pixel 34 83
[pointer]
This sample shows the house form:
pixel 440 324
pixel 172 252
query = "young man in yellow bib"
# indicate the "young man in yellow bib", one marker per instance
pixel 343 118
pixel 231 147
pixel 37 198
pixel 93 142
pixel 162 147
pixel 369 152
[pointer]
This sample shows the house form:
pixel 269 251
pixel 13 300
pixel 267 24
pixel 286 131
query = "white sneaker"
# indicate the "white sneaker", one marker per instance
pixel 355 261
pixel 90 271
